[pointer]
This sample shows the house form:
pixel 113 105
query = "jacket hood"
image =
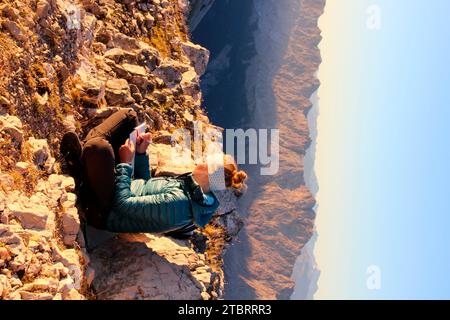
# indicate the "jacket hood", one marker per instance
pixel 203 214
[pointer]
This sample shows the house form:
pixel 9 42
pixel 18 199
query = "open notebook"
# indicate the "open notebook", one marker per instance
pixel 140 129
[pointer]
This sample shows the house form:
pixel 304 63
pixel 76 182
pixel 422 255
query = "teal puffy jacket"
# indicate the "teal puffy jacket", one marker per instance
pixel 156 205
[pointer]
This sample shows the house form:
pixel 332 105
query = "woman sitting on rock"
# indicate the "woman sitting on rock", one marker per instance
pixel 111 199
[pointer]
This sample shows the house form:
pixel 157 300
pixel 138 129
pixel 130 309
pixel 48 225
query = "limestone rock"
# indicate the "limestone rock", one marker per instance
pixel 43 284
pixel 65 286
pixel 32 216
pixel 149 21
pixel 122 41
pixel 148 57
pixel 6 180
pixel 69 123
pixel 12 126
pixel 4 254
pixel 170 71
pixel 15 30
pixel 198 56
pixel 60 183
pixel 71 260
pixel 42 9
pixel 71 225
pixel 57 296
pixel 40 100
pixel 68 200
pixel 228 201
pixel 4 286
pixel 164 160
pixel 67 257
pixel 90 82
pixel 62 271
pixel 22 166
pixel 73 294
pixel 133 69
pixel 41 153
pixel 119 55
pixel 232 223
pixel 9 12
pixel 118 92
pixel 190 84
pixel 143 84
pixel 101 113
pixel 26 295
pixel 145 267
pixel 93 7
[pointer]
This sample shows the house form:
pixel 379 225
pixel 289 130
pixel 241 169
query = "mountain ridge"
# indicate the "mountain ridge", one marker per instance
pixel 67 65
pixel 280 209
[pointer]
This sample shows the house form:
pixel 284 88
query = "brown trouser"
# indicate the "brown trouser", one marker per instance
pixel 99 156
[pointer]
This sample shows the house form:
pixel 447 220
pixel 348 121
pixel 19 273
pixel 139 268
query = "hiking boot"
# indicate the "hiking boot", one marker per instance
pixel 70 154
pixel 180 235
pixel 183 233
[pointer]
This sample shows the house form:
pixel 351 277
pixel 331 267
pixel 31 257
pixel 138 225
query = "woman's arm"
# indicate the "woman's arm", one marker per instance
pixel 126 201
pixel 197 194
pixel 139 152
pixel 204 205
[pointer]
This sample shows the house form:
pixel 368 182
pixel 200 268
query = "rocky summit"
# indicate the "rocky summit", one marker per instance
pixel 67 65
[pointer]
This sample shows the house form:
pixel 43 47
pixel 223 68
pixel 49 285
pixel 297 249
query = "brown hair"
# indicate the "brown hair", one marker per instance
pixel 233 177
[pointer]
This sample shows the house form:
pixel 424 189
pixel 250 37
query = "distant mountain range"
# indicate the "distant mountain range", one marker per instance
pixel 279 80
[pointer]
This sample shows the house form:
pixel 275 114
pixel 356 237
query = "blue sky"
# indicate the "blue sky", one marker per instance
pixel 382 158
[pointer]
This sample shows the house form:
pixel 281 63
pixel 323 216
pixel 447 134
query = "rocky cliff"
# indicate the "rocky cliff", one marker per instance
pixel 66 65
pixel 198 9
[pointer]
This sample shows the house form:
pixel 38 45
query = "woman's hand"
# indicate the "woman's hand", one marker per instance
pixel 126 152
pixel 142 142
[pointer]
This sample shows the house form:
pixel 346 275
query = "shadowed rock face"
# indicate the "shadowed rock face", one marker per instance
pixel 279 80
pixel 149 267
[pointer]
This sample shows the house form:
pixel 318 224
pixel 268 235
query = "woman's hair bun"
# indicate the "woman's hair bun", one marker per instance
pixel 238 179
pixel 234 178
